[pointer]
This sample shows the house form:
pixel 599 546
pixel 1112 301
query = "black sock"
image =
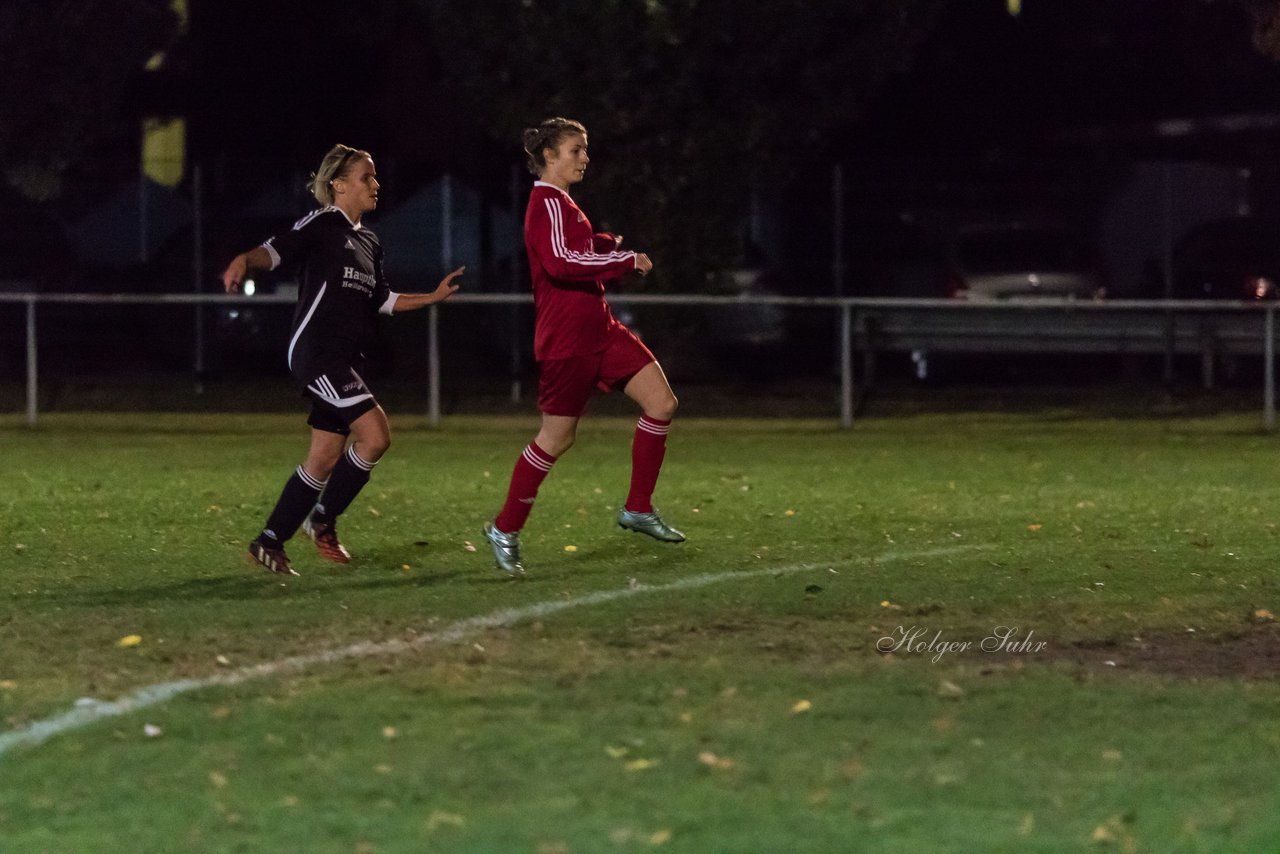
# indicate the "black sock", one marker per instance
pixel 296 500
pixel 348 478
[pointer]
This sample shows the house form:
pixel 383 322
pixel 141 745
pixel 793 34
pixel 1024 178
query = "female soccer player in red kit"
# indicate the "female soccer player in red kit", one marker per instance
pixel 578 343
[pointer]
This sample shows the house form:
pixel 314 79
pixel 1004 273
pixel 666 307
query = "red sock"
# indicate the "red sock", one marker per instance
pixel 533 465
pixel 647 450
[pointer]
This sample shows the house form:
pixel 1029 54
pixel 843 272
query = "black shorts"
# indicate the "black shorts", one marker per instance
pixel 338 397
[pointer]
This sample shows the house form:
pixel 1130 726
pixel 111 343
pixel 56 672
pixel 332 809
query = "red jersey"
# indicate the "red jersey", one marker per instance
pixel 569 264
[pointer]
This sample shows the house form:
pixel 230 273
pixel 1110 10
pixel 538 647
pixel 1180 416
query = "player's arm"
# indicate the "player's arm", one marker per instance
pixel 408 302
pixel 547 238
pixel 287 248
pixel 604 241
pixel 257 258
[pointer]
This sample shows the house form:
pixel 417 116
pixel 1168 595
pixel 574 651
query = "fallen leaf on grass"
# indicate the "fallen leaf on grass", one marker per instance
pixel 1116 832
pixel 439 819
pixel 466 544
pixel 1262 615
pixel 709 759
pixel 660 837
pixel 389 732
pixel 852 769
pixel 950 690
pixel 571 548
pixel 616 752
pixel 129 640
pixel 217 779
pixel 790 513
pixel 223 661
pixel 1034 527
pixel 7 684
pixel 640 764
pixel 801 707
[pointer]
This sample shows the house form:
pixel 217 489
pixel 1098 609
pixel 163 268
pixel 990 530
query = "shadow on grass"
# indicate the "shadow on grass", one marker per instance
pixel 252 585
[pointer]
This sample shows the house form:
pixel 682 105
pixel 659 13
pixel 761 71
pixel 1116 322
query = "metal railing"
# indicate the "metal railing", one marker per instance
pixel 866 325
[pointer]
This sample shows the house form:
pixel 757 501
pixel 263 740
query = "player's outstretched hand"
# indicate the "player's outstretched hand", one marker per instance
pixel 643 264
pixel 447 288
pixel 234 274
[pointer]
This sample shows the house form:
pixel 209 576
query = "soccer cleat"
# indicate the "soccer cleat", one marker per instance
pixel 325 536
pixel 270 558
pixel 650 524
pixel 506 550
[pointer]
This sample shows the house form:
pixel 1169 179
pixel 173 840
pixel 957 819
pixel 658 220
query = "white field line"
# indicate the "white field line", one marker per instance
pixel 87 712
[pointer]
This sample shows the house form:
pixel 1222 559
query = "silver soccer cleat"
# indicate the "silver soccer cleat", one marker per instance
pixel 506 550
pixel 650 524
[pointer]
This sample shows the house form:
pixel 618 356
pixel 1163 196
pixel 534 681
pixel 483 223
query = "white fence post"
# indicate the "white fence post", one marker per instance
pixel 197 270
pixel 433 317
pixel 1269 371
pixel 846 365
pixel 32 390
pixel 433 365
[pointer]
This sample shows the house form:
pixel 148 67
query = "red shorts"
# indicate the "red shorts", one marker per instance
pixel 565 385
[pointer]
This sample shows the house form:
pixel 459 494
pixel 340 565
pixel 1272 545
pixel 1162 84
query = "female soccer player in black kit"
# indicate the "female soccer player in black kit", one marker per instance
pixel 341 291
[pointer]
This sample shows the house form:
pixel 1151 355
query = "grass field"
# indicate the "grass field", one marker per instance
pixel 734 693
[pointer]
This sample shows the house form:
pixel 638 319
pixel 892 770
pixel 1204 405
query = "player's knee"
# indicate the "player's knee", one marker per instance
pixel 378 446
pixel 665 408
pixel 371 447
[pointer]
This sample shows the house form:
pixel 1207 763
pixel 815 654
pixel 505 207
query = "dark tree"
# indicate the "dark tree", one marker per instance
pixel 66 70
pixel 689 102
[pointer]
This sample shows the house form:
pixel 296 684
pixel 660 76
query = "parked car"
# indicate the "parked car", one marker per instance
pixel 1236 258
pixel 1008 259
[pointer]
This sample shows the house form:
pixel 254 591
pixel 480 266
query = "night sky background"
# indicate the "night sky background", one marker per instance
pixel 257 79
pixel 1057 101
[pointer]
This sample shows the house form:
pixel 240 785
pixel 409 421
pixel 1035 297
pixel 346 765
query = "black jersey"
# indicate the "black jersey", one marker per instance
pixel 341 288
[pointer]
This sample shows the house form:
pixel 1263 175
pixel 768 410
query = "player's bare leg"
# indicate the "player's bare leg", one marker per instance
pixel 650 389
